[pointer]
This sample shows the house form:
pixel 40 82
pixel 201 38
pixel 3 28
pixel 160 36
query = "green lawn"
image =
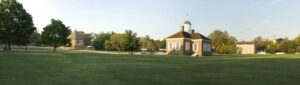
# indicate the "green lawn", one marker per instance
pixel 71 68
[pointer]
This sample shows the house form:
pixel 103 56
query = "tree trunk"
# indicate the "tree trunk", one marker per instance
pixel 27 48
pixel 9 46
pixel 54 48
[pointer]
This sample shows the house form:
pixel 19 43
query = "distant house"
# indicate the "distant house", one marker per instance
pixel 76 40
pixel 245 48
pixel 188 43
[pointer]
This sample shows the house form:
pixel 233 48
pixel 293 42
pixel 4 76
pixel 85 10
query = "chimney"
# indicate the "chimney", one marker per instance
pixel 182 28
pixel 193 31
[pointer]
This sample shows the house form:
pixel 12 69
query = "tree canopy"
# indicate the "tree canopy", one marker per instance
pixel 56 34
pixel 101 39
pixel 127 41
pixel 35 39
pixel 118 41
pixel 132 42
pixel 223 42
pixel 16 24
pixel 147 43
pixel 261 44
pixel 297 39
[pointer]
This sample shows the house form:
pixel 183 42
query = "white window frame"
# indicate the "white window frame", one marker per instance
pixel 177 46
pixel 195 48
pixel 173 46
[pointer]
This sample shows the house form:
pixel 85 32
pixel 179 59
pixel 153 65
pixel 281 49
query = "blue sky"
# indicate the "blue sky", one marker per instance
pixel 244 19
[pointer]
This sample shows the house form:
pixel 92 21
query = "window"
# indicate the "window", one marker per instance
pixel 206 47
pixel 195 47
pixel 170 46
pixel 187 46
pixel 177 46
pixel 77 42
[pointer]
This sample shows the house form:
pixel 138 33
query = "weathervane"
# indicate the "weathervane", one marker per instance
pixel 187 15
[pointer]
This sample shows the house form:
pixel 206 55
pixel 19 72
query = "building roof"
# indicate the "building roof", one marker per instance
pixel 198 36
pixel 181 34
pixel 187 22
pixel 75 36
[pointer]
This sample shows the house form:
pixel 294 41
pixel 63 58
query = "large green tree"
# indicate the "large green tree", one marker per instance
pixel 272 48
pixel 223 42
pixel 35 39
pixel 56 34
pixel 99 42
pixel 297 40
pixel 127 41
pixel 16 24
pixel 160 44
pixel 118 41
pixel 87 38
pixel 261 43
pixel 108 46
pixel 132 42
pixel 147 43
pixel 288 46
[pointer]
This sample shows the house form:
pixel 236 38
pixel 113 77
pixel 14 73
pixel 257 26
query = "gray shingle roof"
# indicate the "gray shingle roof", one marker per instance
pixel 183 34
pixel 198 36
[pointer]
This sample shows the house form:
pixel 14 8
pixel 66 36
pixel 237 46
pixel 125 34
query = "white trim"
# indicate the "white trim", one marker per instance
pixel 174 38
pixel 195 49
pixel 177 46
pixel 197 40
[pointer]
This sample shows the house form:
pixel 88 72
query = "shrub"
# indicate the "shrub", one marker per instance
pixel 271 50
pixel 291 51
pixel 298 49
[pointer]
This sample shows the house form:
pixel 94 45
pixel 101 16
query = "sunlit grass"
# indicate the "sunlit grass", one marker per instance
pixel 74 68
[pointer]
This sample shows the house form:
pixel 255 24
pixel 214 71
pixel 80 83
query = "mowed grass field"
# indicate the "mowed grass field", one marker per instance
pixel 72 68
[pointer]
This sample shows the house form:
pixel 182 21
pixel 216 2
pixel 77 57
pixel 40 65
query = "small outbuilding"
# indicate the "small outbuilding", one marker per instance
pixel 245 48
pixel 76 40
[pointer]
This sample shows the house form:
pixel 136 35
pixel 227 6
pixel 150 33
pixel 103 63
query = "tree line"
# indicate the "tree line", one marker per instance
pixel 128 41
pixel 17 28
pixel 286 45
pixel 224 43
